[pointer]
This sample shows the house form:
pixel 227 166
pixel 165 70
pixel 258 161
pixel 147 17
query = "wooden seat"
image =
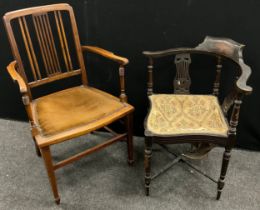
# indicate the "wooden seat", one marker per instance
pixel 43 54
pixel 185 114
pixel 201 120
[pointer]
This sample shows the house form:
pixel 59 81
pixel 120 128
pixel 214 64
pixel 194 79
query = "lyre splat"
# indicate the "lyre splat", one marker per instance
pixel 182 79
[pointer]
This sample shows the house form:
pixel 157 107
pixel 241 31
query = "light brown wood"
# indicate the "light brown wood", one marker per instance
pixel 45 39
pixel 46 154
pixel 56 59
pixel 33 60
pixel 43 29
pixel 105 53
pixel 46 43
pixel 55 77
pixel 40 38
pixel 40 9
pixel 50 44
pixel 65 41
pixel 121 60
pixel 88 151
pixel 17 77
pixel 64 52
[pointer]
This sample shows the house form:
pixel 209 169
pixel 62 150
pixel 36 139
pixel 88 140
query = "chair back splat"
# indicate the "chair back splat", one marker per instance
pixel 221 49
pixel 182 78
pixel 43 36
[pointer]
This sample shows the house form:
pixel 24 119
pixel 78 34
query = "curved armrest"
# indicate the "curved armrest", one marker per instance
pixel 17 77
pixel 162 53
pixel 106 54
pixel 241 82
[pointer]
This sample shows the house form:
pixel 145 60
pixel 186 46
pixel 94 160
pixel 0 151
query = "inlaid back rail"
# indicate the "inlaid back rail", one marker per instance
pixel 54 51
pixel 218 75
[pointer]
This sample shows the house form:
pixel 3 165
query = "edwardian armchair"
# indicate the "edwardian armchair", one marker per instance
pixel 66 114
pixel 197 119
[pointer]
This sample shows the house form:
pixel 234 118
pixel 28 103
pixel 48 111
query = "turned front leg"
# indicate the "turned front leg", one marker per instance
pixel 225 162
pixel 231 141
pixel 129 130
pixel 123 97
pixel 147 163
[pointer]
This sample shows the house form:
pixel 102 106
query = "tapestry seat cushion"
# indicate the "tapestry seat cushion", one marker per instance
pixel 173 114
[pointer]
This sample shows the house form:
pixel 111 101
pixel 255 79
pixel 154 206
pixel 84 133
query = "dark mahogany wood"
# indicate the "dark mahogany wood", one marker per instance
pixel 147 163
pixel 129 138
pixel 220 48
pixel 218 75
pixel 182 79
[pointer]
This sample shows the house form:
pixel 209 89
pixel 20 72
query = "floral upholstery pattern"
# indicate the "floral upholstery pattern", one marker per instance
pixel 173 114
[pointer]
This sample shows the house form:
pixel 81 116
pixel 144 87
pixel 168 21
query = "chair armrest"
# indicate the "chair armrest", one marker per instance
pixel 11 68
pixel 106 54
pixel 242 80
pixel 17 77
pixel 163 53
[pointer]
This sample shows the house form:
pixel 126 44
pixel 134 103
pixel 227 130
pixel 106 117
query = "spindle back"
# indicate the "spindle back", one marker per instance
pixel 41 34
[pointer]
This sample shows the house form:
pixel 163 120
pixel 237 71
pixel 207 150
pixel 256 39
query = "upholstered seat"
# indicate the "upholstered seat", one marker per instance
pixel 173 114
pixel 74 107
pixel 184 117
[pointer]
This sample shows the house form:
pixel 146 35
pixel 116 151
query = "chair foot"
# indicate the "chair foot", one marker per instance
pixel 130 162
pixel 218 195
pixel 147 190
pixel 38 152
pixel 57 201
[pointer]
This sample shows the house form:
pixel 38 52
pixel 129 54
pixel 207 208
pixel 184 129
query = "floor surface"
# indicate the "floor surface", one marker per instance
pixel 104 180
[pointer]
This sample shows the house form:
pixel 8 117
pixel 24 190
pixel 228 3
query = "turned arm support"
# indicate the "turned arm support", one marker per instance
pixel 11 68
pixel 120 60
pixel 235 98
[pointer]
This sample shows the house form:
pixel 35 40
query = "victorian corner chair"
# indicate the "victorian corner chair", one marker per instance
pixel 196 119
pixel 42 54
